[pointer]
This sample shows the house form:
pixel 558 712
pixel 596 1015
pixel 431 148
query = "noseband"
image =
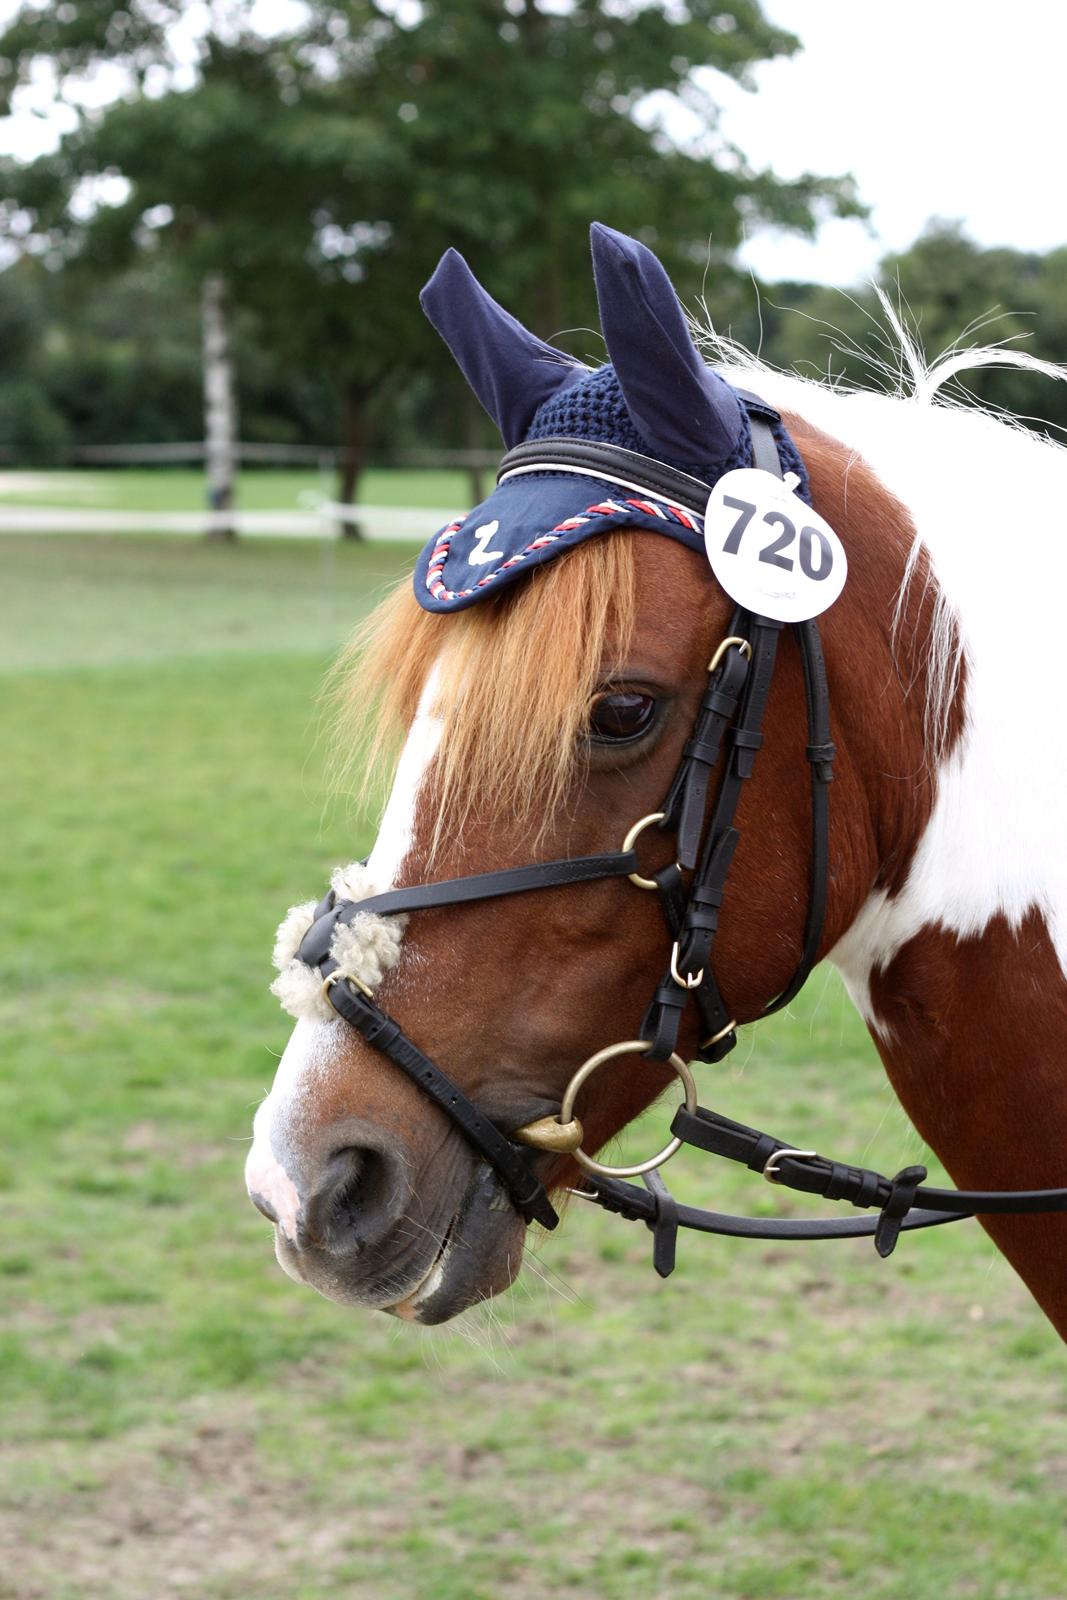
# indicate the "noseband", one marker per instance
pixel 727 733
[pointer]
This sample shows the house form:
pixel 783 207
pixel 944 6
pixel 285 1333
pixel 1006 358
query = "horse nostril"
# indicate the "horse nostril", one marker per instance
pixel 348 1198
pixel 263 1205
pixel 353 1205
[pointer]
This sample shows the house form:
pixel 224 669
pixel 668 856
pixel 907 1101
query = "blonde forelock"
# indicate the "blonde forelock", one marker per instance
pixel 516 675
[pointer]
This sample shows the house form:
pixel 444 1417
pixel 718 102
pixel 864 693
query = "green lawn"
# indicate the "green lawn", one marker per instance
pixel 262 489
pixel 179 1419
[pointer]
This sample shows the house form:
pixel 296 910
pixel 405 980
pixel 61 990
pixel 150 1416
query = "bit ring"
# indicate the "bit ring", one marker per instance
pixel 566 1110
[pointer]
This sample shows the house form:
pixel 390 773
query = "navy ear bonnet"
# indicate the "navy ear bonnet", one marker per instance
pixel 656 398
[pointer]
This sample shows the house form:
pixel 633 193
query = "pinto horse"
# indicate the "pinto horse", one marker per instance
pixel 547 671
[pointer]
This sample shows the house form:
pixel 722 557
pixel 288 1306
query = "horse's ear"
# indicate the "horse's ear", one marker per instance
pixel 684 410
pixel 510 369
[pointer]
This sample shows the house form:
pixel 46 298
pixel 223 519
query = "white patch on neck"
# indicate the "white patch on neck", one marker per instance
pixel 313 1049
pixel 989 849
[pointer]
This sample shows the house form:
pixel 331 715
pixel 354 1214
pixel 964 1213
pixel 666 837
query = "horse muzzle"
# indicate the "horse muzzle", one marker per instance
pixel 355 1221
pixel 417 1272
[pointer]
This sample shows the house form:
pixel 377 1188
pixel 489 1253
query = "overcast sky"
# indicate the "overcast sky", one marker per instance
pixel 951 108
pixel 938 107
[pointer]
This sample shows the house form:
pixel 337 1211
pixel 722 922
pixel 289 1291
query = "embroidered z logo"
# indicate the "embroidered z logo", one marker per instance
pixel 480 556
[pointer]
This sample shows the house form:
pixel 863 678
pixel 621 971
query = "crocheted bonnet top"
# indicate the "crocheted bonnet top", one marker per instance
pixel 656 398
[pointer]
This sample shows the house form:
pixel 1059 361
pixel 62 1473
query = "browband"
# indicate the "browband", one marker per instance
pixel 609 463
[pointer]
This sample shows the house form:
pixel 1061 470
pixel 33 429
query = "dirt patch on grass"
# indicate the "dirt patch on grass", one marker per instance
pixel 200 1510
pixel 297 1490
pixel 187 1512
pixel 154 1140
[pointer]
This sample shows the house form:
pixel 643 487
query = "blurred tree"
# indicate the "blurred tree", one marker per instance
pixel 119 360
pixel 949 292
pixel 957 293
pixel 223 181
pixel 122 358
pixel 32 428
pixel 318 173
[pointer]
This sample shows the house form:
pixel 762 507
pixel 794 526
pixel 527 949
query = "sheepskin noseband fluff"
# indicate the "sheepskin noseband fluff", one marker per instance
pixel 364 949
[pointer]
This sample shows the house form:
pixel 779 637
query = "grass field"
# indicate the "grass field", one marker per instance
pixel 179 1419
pixel 182 489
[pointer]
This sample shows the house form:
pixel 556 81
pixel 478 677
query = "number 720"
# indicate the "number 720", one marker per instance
pixel 772 554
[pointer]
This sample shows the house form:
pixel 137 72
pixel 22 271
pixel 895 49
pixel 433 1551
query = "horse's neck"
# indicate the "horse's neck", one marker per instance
pixel 957 955
pixel 973 1034
pixel 957 965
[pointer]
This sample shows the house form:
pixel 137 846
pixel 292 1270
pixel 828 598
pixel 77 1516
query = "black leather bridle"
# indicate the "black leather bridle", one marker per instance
pixel 727 735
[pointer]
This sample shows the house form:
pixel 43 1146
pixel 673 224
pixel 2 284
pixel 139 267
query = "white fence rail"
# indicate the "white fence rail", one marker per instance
pixel 320 521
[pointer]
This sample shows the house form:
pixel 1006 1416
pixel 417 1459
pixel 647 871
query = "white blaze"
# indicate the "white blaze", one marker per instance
pixel 398 821
pixel 313 1051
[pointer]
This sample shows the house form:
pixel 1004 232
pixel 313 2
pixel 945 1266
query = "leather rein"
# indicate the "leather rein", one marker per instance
pixel 727 734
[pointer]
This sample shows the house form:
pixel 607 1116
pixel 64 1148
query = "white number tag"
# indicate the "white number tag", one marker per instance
pixel 772 554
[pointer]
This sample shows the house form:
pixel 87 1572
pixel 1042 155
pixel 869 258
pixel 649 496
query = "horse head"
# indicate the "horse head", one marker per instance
pixel 549 670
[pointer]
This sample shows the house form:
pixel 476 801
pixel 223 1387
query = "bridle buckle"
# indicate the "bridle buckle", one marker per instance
pixel 337 976
pixel 689 980
pixel 770 1166
pixel 737 642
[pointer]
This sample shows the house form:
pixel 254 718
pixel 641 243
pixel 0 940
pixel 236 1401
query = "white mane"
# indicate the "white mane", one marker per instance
pixel 988 501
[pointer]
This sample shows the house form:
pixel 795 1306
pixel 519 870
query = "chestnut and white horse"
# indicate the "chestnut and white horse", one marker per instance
pixel 547 719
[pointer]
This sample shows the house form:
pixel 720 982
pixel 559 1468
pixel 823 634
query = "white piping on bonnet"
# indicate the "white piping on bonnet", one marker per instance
pixel 364 949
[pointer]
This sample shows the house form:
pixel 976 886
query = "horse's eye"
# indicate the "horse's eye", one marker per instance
pixel 618 714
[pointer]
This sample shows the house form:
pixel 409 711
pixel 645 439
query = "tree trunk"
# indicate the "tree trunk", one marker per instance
pixel 220 403
pixel 353 452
